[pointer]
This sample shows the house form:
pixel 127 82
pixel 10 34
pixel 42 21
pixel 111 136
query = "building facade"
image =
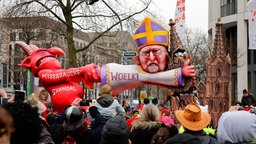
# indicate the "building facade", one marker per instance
pixel 233 14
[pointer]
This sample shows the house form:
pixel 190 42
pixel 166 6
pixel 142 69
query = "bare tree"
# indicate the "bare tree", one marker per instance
pixel 197 43
pixel 77 14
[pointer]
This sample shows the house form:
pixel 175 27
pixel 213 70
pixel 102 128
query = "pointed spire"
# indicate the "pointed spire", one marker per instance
pixel 175 43
pixel 218 48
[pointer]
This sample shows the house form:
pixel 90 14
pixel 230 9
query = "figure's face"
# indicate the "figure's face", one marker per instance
pixel 153 58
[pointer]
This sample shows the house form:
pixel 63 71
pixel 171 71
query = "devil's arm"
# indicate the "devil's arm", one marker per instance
pixel 81 74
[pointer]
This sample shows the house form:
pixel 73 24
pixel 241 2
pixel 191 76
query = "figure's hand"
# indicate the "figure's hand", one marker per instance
pixel 91 75
pixel 188 70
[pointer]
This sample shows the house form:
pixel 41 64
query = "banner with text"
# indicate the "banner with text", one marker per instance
pixel 180 20
pixel 251 8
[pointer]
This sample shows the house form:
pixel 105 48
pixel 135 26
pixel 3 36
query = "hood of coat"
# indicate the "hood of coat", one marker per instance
pixel 105 100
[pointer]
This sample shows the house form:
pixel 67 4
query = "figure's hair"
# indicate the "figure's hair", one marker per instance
pixel 27 123
pixel 150 112
pixel 106 89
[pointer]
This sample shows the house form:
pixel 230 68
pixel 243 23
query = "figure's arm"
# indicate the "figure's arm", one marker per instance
pixel 86 74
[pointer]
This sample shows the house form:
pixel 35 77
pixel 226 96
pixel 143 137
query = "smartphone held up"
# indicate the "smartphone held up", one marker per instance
pixel 19 96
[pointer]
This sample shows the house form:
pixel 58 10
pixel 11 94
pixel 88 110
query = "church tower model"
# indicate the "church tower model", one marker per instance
pixel 218 81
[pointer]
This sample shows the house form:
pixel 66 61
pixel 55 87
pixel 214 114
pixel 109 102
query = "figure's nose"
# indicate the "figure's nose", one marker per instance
pixel 152 56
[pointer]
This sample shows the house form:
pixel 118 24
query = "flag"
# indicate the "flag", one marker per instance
pixel 251 8
pixel 180 20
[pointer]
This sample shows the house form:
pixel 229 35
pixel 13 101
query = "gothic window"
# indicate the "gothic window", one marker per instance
pixel 210 104
pixel 218 73
pixel 221 106
pixel 217 88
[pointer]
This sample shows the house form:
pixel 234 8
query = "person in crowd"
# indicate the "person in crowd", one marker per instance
pixel 5 98
pixel 115 131
pixel 144 130
pixel 107 105
pixel 127 108
pixel 161 106
pixel 27 124
pixel 35 102
pixel 237 127
pixel 194 121
pixel 247 99
pixel 165 132
pixel 6 126
pixel 135 116
pixel 70 125
pixel 145 102
pixel 44 98
pixel 98 121
pixel 165 117
pixel 183 138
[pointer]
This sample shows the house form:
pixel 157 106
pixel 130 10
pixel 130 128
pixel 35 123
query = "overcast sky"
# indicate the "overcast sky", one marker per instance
pixel 196 13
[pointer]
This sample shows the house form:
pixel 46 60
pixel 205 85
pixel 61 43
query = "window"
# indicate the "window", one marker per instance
pixel 228 7
pixel 218 72
pixel 217 88
pixel 13 36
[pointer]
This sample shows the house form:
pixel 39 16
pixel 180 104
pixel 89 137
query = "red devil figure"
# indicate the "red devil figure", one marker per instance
pixel 62 84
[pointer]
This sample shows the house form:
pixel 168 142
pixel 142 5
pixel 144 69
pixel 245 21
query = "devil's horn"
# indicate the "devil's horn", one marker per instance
pixel 33 47
pixel 27 49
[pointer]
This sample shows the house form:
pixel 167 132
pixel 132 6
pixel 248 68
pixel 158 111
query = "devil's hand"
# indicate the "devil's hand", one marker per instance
pixel 91 74
pixel 188 70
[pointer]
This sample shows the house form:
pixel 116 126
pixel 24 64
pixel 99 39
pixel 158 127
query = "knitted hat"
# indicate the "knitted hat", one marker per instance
pixel 115 131
pixel 150 32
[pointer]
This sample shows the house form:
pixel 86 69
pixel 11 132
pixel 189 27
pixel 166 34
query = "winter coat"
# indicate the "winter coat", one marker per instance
pixel 142 132
pixel 108 106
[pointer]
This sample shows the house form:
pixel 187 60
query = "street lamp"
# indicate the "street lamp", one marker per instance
pixel 91 2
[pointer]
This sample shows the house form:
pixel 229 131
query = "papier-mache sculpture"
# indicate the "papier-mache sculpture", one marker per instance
pixel 151 68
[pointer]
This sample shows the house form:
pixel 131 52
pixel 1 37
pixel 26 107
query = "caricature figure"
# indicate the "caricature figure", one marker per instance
pixel 151 64
pixel 61 84
pixel 151 39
